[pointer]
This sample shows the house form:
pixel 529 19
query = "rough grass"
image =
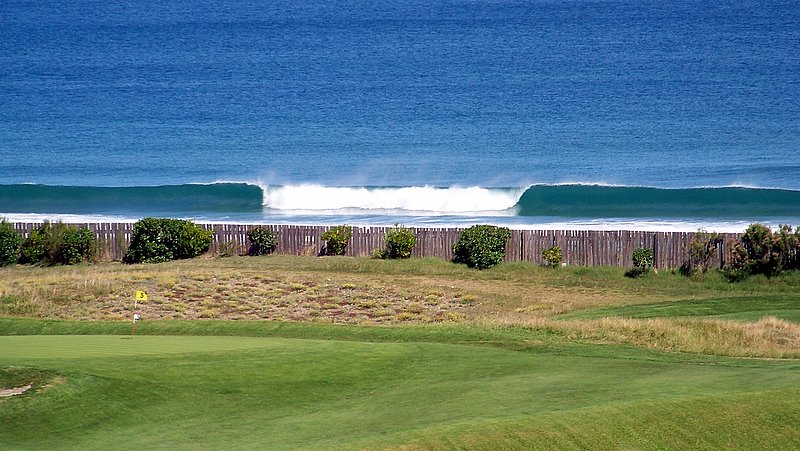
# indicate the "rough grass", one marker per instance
pixel 768 337
pixel 590 304
pixel 746 308
pixel 234 289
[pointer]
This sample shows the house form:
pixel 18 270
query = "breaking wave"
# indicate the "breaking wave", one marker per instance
pixel 253 200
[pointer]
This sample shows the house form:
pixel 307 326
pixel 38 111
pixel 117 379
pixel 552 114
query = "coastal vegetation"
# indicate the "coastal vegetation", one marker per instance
pixel 58 244
pixel 9 244
pixel 703 249
pixel 336 239
pixel 642 262
pixel 762 251
pixel 552 257
pixel 262 241
pixel 156 240
pixel 481 246
pixel 400 241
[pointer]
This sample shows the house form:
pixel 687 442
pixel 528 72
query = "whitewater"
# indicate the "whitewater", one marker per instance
pixel 410 199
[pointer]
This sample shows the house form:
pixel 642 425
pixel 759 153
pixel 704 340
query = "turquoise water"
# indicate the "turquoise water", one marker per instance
pixel 580 114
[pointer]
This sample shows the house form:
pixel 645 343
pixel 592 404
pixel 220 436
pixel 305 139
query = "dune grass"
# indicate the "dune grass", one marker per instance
pixel 349 290
pixel 418 354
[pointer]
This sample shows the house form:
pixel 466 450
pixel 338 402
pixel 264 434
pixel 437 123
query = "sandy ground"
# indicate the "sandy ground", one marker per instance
pixel 6 392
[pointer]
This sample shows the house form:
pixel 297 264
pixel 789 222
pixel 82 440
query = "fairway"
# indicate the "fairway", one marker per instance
pixel 251 392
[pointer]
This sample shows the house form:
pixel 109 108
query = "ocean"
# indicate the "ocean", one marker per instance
pixel 647 115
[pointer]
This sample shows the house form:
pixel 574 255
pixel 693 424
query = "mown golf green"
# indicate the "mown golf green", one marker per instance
pixel 574 359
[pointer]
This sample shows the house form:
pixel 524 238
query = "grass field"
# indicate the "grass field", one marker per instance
pixel 517 357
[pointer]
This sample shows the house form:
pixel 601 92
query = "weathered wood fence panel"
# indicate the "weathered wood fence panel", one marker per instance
pixel 578 247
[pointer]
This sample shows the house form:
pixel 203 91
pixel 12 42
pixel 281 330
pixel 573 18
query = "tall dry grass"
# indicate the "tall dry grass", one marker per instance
pixel 769 337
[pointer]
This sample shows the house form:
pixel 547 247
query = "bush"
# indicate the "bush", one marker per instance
pixel 552 257
pixel 58 244
pixel 262 241
pixel 157 240
pixel 760 251
pixel 643 258
pixel 703 250
pixel 759 255
pixel 787 246
pixel 336 239
pixel 642 262
pixel 399 243
pixel 34 248
pixel 481 246
pixel 736 270
pixel 9 244
pixel 77 245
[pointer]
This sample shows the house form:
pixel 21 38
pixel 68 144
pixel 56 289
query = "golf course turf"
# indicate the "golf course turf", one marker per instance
pixel 526 380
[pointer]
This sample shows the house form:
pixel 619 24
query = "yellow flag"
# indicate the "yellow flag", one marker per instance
pixel 141 296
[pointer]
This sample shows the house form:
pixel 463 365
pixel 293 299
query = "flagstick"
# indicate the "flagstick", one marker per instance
pixel 133 325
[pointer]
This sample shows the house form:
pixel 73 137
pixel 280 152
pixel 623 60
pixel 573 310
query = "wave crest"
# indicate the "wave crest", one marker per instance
pixel 452 200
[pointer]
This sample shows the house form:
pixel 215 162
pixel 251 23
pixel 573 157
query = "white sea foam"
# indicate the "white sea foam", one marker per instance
pixel 453 200
pixel 65 217
pixel 514 222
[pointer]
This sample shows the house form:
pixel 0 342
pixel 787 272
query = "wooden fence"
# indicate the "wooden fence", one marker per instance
pixel 578 247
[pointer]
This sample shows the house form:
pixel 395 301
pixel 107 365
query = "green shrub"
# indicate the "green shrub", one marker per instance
pixel 9 244
pixel 643 258
pixel 58 244
pixel 760 251
pixel 481 246
pixel 34 248
pixel 737 268
pixel 336 239
pixel 76 246
pixel 703 249
pixel 262 241
pixel 760 255
pixel 552 257
pixel 642 262
pixel 787 246
pixel 399 243
pixel 157 240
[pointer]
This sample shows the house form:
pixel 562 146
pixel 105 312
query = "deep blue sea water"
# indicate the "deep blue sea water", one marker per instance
pixel 557 113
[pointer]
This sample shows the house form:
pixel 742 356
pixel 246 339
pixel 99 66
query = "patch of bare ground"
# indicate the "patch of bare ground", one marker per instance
pixel 6 392
pixel 16 381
